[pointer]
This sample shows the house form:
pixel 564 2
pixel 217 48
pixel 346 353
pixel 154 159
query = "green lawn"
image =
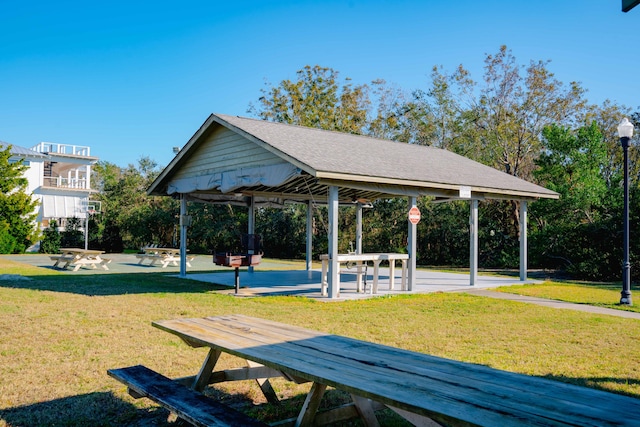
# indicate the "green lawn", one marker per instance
pixel 61 332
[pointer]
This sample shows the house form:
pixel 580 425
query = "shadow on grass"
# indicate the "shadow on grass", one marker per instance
pixel 112 284
pixel 289 407
pixel 105 409
pixel 93 409
pixel 600 383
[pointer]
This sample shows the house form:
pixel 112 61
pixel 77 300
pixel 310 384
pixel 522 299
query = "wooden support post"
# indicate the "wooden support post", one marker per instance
pixel 415 419
pixel 202 379
pixel 311 405
pixel 265 385
pixel 365 410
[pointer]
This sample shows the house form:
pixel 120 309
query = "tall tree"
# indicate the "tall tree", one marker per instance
pixel 497 121
pixel 128 211
pixel 436 116
pixel 572 165
pixel 578 231
pixel 316 99
pixel 513 110
pixel 17 208
pixel 608 116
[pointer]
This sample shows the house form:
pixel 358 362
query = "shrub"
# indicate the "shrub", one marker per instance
pixel 7 241
pixel 50 243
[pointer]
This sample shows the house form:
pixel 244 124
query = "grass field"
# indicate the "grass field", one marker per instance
pixel 59 333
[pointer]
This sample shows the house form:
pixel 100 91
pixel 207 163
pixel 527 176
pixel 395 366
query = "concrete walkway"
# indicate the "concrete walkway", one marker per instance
pixel 555 304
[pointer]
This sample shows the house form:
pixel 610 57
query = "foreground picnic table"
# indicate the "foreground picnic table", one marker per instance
pixel 78 257
pixel 420 387
pixel 164 256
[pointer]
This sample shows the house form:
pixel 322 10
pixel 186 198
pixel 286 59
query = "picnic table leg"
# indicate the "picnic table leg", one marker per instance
pixel 265 385
pixel 311 404
pixel 323 278
pixel 202 379
pixel 392 273
pixel 359 277
pixel 69 261
pixel 415 419
pixel 404 274
pixel 365 409
pixel 376 270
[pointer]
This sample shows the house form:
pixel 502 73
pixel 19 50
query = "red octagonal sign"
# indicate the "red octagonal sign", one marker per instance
pixel 414 215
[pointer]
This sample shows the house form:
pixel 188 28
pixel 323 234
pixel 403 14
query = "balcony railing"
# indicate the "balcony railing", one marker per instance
pixel 54 147
pixel 60 182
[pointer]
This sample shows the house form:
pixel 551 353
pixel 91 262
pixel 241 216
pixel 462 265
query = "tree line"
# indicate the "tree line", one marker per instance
pixel 516 118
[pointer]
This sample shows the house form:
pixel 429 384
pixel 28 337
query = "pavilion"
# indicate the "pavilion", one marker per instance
pixel 250 162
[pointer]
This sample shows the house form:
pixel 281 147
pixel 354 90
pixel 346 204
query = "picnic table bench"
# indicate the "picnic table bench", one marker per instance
pixel 78 257
pixel 164 256
pixel 424 389
pixel 191 406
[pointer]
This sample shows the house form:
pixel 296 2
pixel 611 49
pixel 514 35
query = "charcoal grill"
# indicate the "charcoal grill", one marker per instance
pixel 250 255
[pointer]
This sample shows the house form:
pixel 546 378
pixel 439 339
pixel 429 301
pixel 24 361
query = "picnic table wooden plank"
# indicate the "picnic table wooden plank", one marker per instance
pixel 403 362
pixel 439 388
pixel 350 373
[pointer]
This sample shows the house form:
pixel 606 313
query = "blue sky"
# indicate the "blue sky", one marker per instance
pixel 136 78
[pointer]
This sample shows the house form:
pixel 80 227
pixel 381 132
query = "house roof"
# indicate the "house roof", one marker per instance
pixel 21 151
pixel 363 167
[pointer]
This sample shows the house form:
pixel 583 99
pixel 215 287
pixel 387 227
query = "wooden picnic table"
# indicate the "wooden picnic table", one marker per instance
pixel 164 256
pixel 358 262
pixel 419 387
pixel 78 257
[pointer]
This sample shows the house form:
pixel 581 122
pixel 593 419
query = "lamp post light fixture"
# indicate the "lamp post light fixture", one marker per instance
pixel 625 132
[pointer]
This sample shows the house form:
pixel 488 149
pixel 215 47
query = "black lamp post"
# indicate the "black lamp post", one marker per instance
pixel 625 132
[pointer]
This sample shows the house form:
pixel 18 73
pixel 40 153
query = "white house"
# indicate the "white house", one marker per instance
pixel 59 178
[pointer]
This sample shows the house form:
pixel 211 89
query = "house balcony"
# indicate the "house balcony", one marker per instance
pixel 63 182
pixel 63 149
